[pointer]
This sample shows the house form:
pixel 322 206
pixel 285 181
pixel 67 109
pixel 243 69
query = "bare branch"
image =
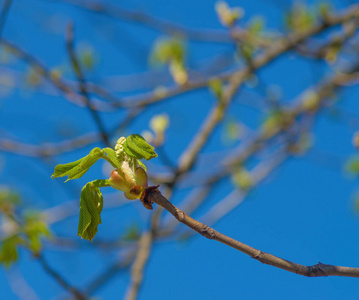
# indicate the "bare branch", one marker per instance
pixel 168 27
pixel 60 280
pixel 144 249
pixel 20 286
pixel 43 71
pixel 3 15
pixel 188 157
pixel 52 149
pixel 266 258
pixel 80 76
pixel 105 276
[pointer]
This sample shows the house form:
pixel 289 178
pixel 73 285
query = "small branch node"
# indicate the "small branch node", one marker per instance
pixel 318 270
pixel 180 215
pixel 207 232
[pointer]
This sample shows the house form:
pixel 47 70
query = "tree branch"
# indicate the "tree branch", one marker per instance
pixel 82 84
pixel 168 27
pixel 317 270
pixel 144 249
pixel 54 274
pixel 3 15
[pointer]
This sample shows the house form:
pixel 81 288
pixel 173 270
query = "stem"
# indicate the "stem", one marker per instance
pixel 101 183
pixel 320 269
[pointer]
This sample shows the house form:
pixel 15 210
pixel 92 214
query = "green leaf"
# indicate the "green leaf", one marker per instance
pixel 8 250
pixel 167 50
pixel 142 165
pixel 91 204
pixel 136 146
pixel 111 157
pixel 79 167
pixel 35 229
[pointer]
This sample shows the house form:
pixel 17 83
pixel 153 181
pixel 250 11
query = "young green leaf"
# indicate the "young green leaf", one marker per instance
pixel 79 167
pixel 8 250
pixel 91 204
pixel 110 155
pixel 136 146
pixel 35 229
pixel 142 165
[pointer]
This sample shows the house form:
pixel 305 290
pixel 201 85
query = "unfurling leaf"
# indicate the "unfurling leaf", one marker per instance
pixel 158 123
pixel 91 204
pixel 136 146
pixel 228 16
pixel 129 176
pixel 79 167
pixel 111 157
pixel 167 50
pixel 171 52
pixel 142 165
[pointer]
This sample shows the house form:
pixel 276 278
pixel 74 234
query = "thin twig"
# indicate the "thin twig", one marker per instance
pixel 20 286
pixel 317 270
pixel 82 84
pixel 144 249
pixel 44 72
pixel 60 280
pixel 105 276
pixel 188 157
pixel 218 36
pixel 3 15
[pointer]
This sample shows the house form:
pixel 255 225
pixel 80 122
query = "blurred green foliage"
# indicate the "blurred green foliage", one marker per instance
pixel 25 228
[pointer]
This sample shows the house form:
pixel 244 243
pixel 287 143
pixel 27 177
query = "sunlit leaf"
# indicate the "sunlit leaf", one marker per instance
pixel 136 146
pixel 142 165
pixel 167 50
pixel 112 156
pixel 79 167
pixel 227 15
pixel 91 204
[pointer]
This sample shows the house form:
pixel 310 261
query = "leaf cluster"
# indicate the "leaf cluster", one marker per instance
pixel 133 149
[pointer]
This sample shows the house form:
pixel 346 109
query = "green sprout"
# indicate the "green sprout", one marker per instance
pixel 129 176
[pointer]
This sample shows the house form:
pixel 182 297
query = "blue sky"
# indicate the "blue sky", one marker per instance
pixel 303 212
